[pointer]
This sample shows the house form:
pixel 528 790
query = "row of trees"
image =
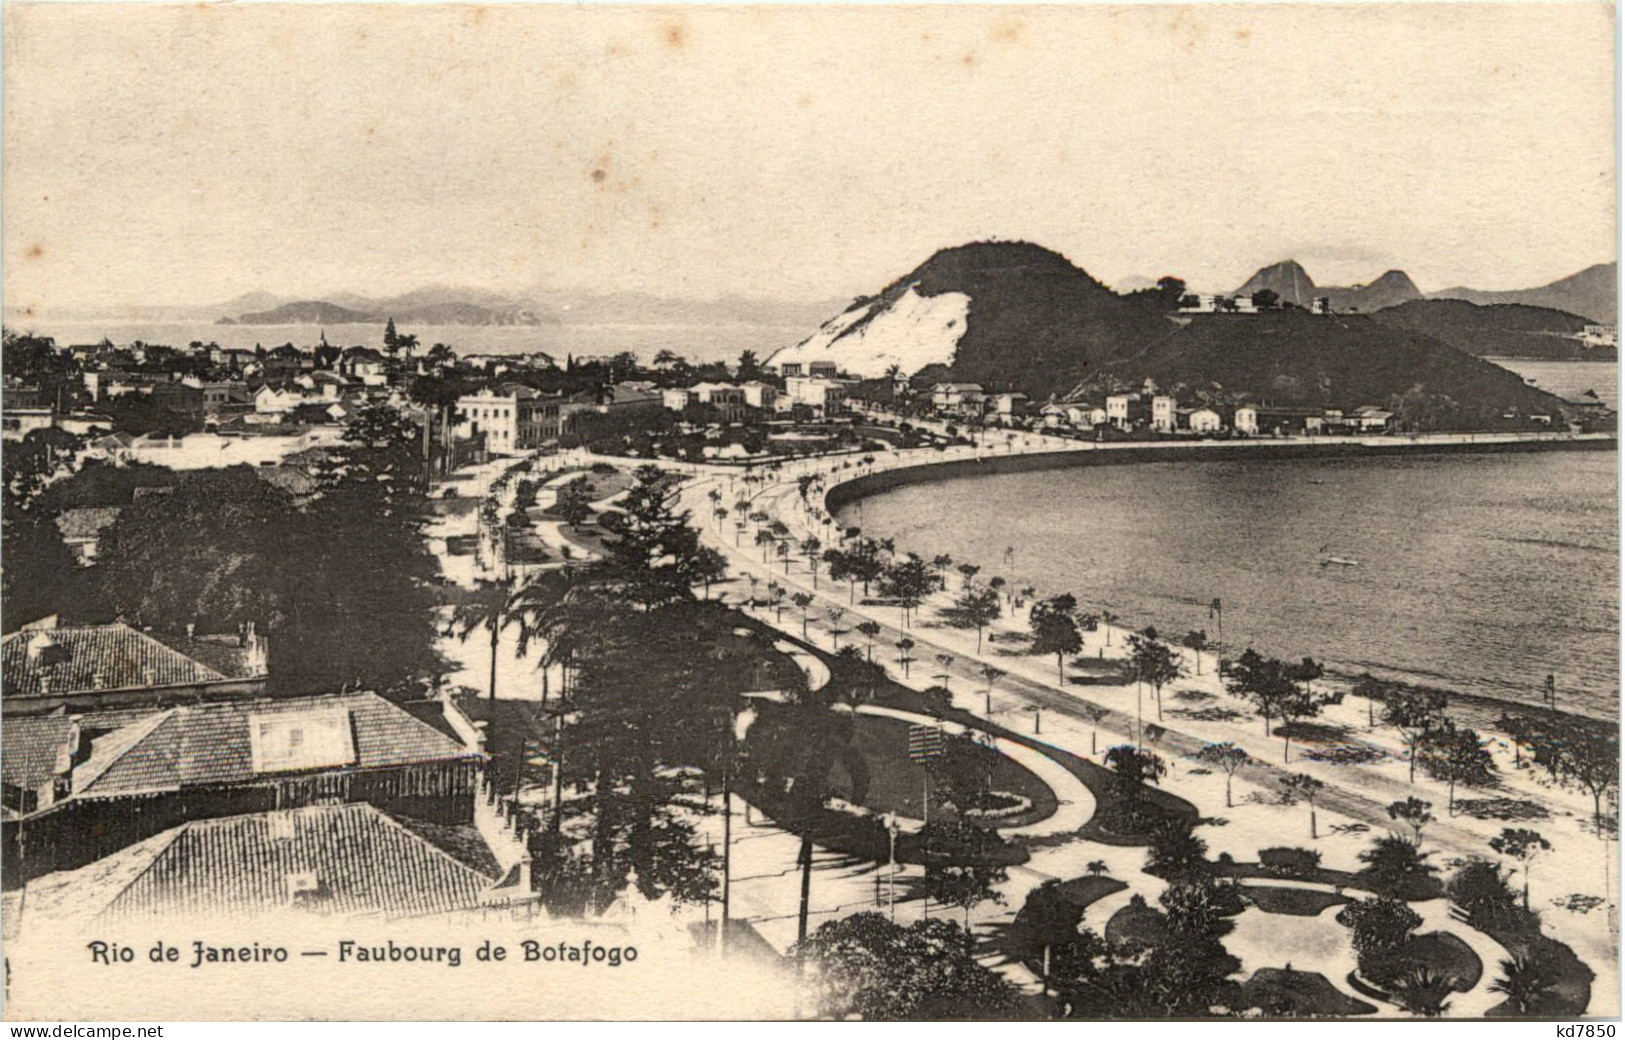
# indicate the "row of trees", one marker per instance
pixel 339 578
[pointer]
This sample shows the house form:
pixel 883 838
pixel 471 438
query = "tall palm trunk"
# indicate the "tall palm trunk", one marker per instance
pixel 496 636
pixel 805 860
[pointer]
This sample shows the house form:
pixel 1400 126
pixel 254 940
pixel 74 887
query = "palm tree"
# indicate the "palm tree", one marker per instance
pixel 946 661
pixel 992 675
pixel 491 610
pixel 803 600
pixel 1097 867
pixel 835 614
pixel 870 630
pixel 904 645
pixel 1108 619
pixel 1526 983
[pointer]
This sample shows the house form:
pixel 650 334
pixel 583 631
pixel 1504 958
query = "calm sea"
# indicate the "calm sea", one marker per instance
pixel 1478 573
pixel 697 343
pixel 1572 378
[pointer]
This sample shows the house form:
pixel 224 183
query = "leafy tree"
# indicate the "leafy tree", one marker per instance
pixel 1228 757
pixel 1480 888
pixel 1414 813
pixel 573 499
pixel 1581 754
pixel 963 886
pixel 1153 662
pixel 1196 642
pixel 1525 846
pixel 1176 852
pixel 381 426
pixel 1374 691
pixel 870 631
pixel 1055 631
pixel 1457 755
pixel 709 566
pixel 976 607
pixel 904 645
pixel 654 559
pixel 1276 689
pixel 1134 768
pixel 968 572
pixel 910 581
pixel 867 967
pixel 1413 712
pixel 803 602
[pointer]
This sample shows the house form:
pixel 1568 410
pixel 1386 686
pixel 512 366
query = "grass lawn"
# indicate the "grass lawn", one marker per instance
pixel 1447 955
pixel 1300 994
pixel 1082 891
pixel 1296 902
pixel 896 784
pixel 1137 922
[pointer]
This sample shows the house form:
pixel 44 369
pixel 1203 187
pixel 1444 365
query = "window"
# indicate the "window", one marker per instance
pixel 297 741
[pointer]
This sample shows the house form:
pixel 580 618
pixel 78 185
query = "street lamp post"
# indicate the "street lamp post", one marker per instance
pixel 891 866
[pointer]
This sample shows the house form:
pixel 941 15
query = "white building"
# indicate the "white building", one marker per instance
pixel 821 395
pixel 760 395
pixel 1205 420
pixel 676 398
pixel 1163 414
pixel 1123 410
pixel 507 415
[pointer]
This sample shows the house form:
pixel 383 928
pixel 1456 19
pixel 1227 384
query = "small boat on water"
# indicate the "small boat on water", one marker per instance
pixel 1335 561
pixel 1317 480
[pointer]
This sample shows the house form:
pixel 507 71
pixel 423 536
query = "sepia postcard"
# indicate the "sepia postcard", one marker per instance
pixel 539 512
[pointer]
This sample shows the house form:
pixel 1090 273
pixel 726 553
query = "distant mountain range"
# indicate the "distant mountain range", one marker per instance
pixel 449 306
pixel 1288 280
pixel 1592 293
pixel 1016 316
pixel 1508 330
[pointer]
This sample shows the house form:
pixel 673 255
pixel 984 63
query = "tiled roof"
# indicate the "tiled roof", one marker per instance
pixel 122 657
pixel 33 748
pixel 212 743
pixel 358 859
pixel 218 652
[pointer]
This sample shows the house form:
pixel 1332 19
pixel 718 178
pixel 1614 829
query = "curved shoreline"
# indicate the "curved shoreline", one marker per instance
pixel 847 492
pixel 1480 709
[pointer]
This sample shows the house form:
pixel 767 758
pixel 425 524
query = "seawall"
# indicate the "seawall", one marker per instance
pixel 849 491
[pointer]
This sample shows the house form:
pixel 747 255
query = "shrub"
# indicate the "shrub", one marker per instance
pixel 1380 928
pixel 1397 867
pixel 602 468
pixel 1290 862
pixel 1480 888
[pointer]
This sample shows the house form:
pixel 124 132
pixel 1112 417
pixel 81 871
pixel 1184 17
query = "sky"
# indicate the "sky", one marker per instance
pixel 184 155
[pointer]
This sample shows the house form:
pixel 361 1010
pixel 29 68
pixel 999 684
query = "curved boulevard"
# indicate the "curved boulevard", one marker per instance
pixel 1084 716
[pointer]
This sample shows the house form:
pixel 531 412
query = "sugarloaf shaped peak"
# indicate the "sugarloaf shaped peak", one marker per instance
pixel 973 290
pixel 1288 280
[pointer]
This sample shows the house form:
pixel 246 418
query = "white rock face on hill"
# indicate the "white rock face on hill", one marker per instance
pixel 912 333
